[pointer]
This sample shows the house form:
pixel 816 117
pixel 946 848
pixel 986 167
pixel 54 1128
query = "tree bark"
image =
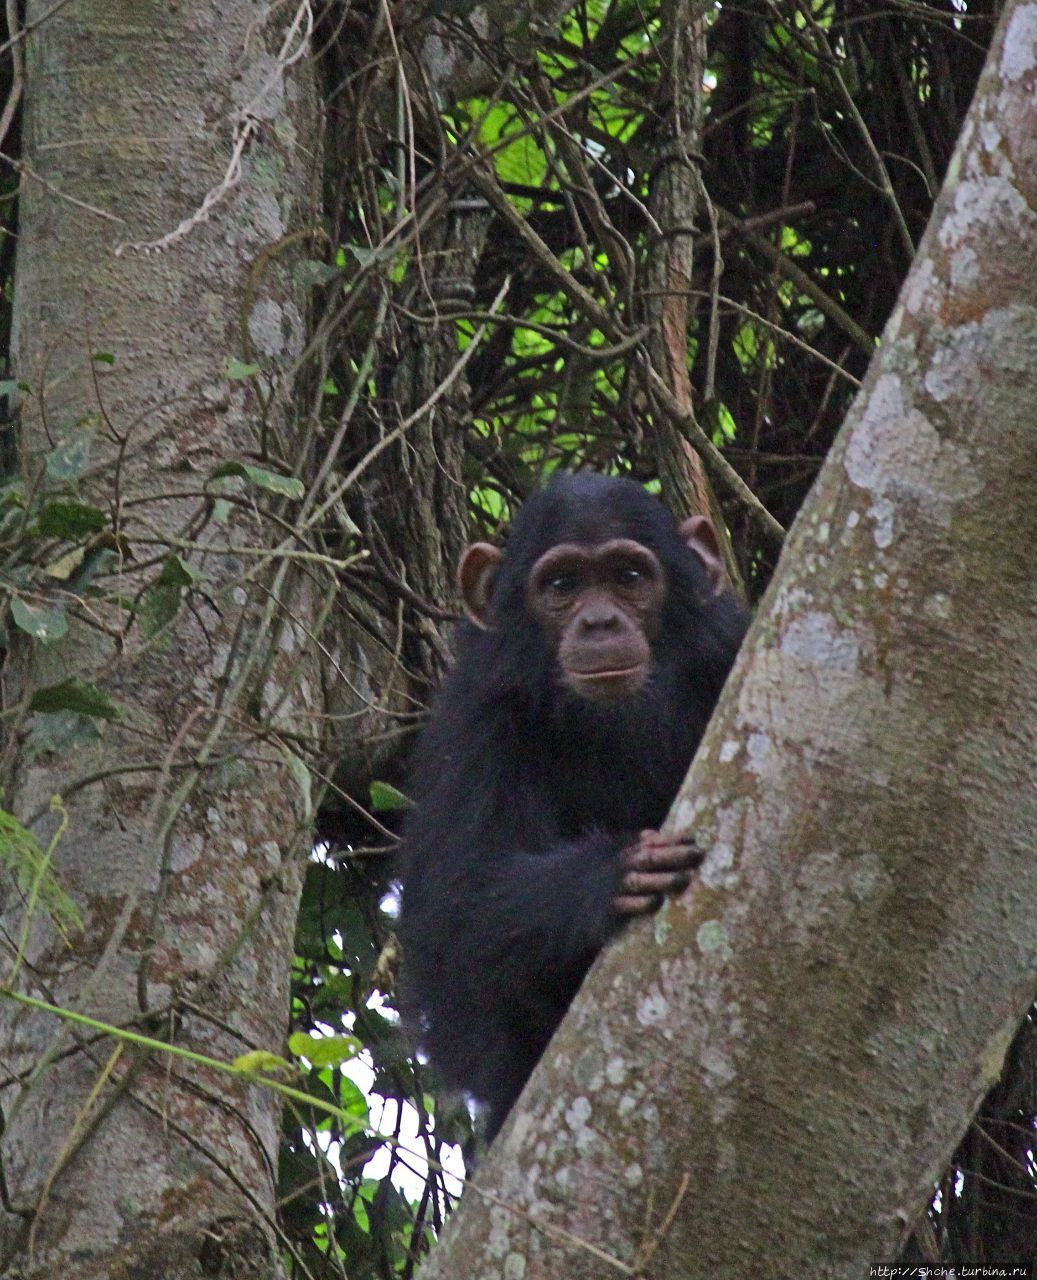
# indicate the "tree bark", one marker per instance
pixel 141 237
pixel 674 204
pixel 768 1077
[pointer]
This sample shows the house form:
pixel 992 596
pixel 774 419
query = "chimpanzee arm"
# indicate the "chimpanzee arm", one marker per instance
pixel 497 943
pixel 551 910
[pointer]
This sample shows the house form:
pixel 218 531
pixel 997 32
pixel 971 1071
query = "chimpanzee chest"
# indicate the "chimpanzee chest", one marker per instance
pixel 615 791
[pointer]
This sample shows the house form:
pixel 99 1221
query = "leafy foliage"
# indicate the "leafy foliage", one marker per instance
pixel 21 854
pixel 358 1220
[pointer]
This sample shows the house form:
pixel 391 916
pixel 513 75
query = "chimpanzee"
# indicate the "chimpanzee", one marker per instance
pixel 596 646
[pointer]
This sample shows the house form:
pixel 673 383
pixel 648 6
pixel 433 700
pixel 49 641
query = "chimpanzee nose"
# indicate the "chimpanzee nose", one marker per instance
pixel 598 617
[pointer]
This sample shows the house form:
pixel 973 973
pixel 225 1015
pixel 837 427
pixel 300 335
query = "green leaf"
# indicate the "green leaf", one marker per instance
pixel 68 461
pixel 299 1171
pixel 272 481
pixel 21 852
pixel 60 733
pixel 45 625
pixel 324 1051
pixel 159 605
pixel 329 907
pixel 12 496
pixel 103 357
pixel 385 798
pixel 71 520
pixel 312 272
pixel 95 561
pixel 65 566
pixel 161 602
pixel 353 1101
pixel 521 161
pixel 75 695
pixel 237 370
pixel 263 1062
pixel 175 573
pixel 363 254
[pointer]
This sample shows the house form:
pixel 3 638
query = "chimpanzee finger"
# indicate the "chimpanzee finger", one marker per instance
pixel 655 882
pixel 633 904
pixel 650 836
pixel 674 855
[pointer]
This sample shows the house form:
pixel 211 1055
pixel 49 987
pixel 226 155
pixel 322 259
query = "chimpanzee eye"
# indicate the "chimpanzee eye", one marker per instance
pixel 628 576
pixel 561 583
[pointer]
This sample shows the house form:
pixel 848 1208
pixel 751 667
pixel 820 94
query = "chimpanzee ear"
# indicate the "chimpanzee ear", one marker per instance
pixel 699 534
pixel 475 575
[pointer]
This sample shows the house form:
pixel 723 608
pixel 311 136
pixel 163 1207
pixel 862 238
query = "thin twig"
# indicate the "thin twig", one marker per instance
pixel 803 281
pixel 21 167
pixel 720 470
pixel 17 69
pixel 392 436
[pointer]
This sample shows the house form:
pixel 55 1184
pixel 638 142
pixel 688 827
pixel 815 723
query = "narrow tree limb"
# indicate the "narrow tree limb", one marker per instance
pixel 825 302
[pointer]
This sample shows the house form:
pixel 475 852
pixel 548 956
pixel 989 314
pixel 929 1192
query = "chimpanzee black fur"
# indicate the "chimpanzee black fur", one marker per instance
pixel 527 794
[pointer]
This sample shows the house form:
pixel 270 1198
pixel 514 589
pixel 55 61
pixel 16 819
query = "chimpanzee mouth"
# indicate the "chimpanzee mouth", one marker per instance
pixel 607 674
pixel 608 685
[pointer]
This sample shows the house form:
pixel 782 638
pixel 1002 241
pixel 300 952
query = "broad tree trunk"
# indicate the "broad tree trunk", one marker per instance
pixel 767 1078
pixel 186 833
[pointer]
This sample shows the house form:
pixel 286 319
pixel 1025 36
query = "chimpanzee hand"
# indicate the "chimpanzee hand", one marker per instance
pixel 655 866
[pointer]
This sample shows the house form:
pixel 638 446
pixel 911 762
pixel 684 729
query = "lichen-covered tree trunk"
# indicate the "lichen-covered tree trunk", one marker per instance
pixel 767 1079
pixel 169 154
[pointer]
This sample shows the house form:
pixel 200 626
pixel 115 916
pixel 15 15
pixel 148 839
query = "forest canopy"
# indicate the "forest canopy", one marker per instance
pixel 653 239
